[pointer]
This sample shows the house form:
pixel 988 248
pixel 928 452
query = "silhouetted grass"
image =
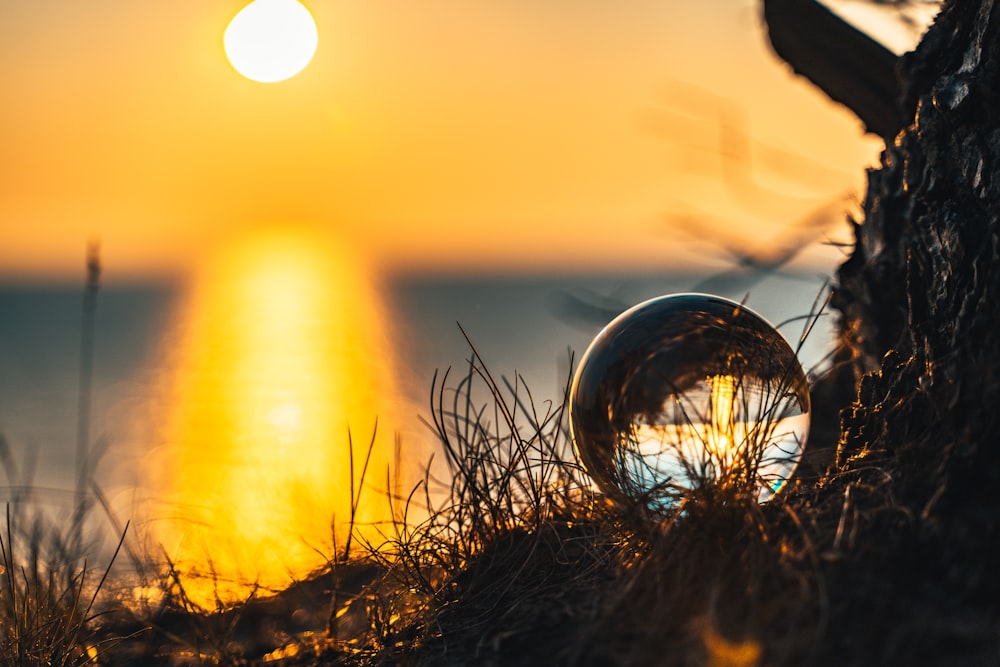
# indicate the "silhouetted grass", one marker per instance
pixel 47 599
pixel 512 557
pixel 522 561
pixel 507 555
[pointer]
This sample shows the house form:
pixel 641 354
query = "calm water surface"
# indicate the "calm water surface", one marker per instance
pixel 520 326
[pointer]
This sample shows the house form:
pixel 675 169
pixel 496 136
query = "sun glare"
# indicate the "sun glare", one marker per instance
pixel 282 353
pixel 721 428
pixel 271 40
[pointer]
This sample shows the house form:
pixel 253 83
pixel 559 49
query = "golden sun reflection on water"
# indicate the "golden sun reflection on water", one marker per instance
pixel 284 350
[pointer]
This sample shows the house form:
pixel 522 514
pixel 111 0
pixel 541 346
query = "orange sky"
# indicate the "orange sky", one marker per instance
pixel 446 135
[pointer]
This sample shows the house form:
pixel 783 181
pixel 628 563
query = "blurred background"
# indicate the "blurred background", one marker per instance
pixel 283 262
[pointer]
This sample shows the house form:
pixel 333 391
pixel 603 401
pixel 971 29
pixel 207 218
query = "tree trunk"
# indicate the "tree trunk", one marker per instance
pixel 919 451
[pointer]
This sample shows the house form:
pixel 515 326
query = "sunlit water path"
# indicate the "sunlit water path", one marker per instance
pixel 283 352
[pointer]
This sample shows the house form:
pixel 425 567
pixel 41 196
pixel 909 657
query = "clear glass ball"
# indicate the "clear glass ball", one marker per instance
pixel 689 392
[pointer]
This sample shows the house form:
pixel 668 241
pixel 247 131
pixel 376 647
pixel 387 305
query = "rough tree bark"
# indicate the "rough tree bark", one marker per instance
pixel 920 325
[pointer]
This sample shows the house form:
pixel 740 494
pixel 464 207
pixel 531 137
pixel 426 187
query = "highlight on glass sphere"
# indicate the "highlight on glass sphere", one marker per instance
pixel 687 393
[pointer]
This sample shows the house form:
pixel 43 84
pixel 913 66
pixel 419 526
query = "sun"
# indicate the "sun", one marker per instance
pixel 271 40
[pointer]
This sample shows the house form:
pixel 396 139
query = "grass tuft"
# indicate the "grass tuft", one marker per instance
pixel 47 604
pixel 505 553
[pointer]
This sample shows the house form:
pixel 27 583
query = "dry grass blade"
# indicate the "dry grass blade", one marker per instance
pixel 47 618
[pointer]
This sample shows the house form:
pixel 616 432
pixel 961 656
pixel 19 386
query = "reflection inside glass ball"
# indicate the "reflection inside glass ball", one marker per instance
pixel 687 393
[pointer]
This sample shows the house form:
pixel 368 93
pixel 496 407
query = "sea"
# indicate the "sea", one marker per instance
pixel 527 329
